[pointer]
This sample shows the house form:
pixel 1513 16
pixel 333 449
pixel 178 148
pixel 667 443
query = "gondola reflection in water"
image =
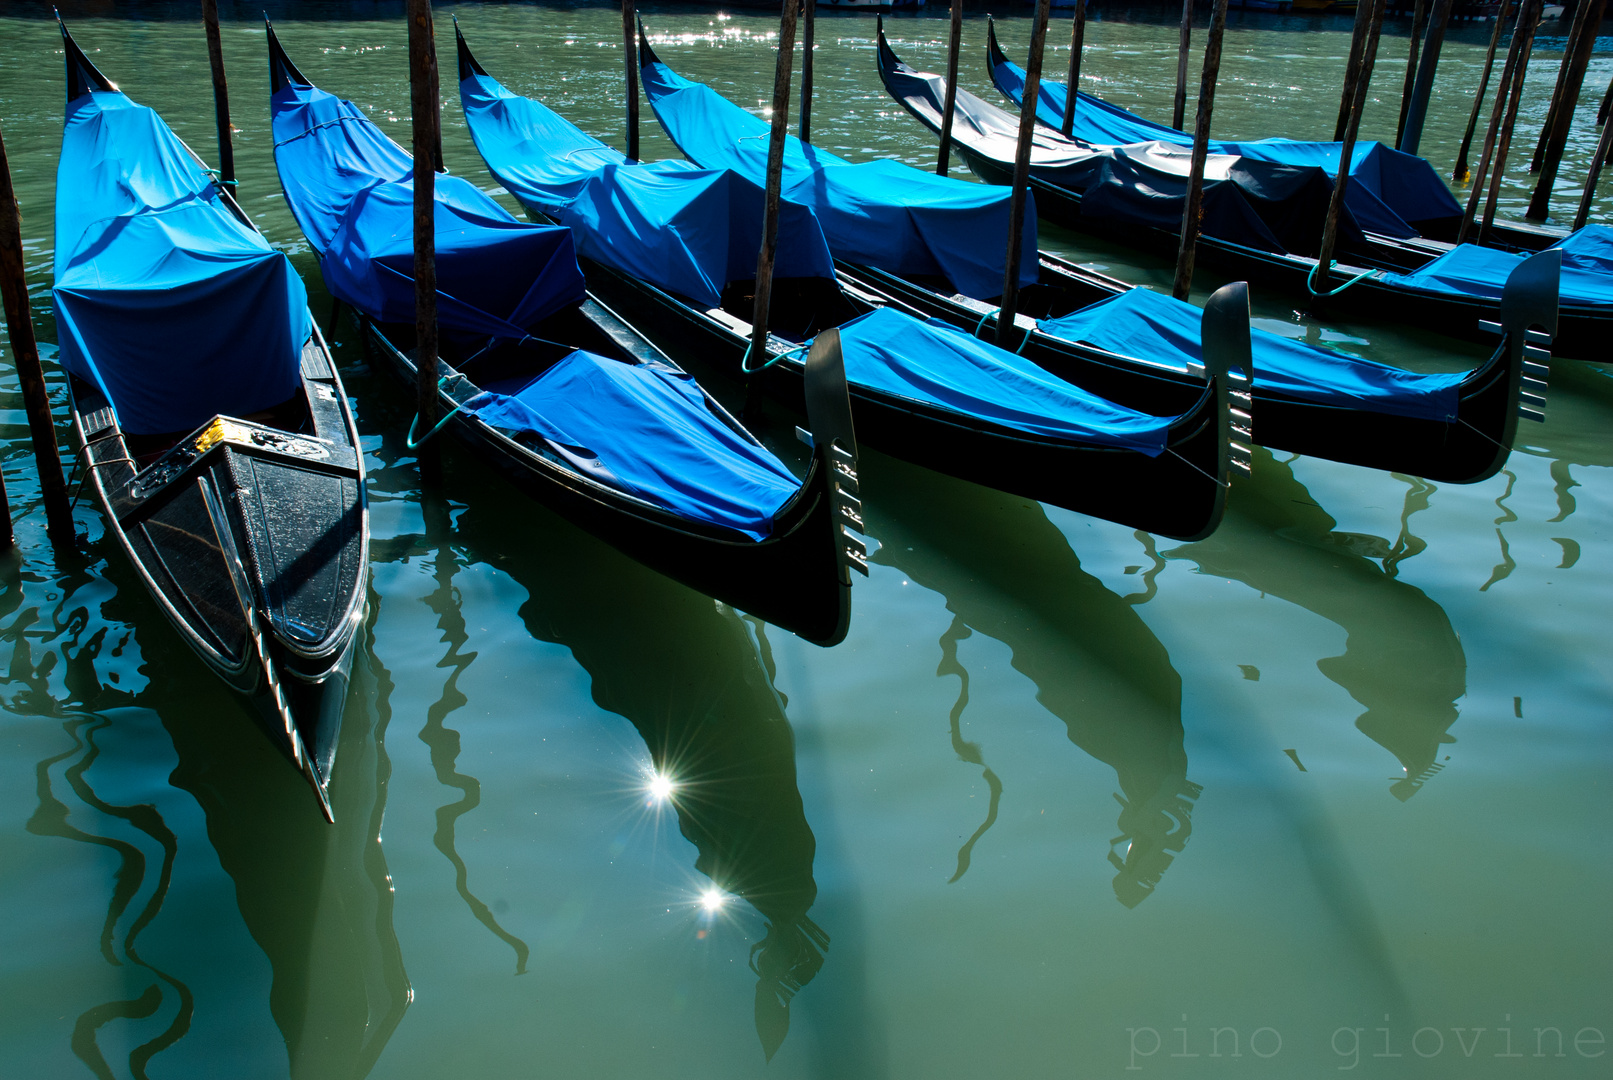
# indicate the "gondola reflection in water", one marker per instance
pixel 214 429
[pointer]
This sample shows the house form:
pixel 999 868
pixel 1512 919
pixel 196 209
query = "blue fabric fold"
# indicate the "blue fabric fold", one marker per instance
pixel 1161 329
pixel 940 365
pixel 351 189
pixel 1388 189
pixel 164 299
pixel 647 430
pixel 687 230
pixel 1470 270
pixel 877 213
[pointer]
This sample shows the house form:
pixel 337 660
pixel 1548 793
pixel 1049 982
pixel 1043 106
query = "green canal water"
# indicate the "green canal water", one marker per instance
pixel 1327 792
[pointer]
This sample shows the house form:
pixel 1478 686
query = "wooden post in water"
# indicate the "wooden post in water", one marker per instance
pixel 425 119
pixel 1554 138
pixel 1565 75
pixel 809 9
pixel 221 94
pixel 1522 34
pixel 1419 19
pixel 1179 109
pixel 1341 183
pixel 25 354
pixel 1508 122
pixel 953 41
pixel 1078 42
pixel 1352 69
pixel 1604 146
pixel 1598 159
pixel 1022 175
pixel 1607 104
pixel 775 179
pixel 1411 133
pixel 1201 146
pixel 1460 172
pixel 630 54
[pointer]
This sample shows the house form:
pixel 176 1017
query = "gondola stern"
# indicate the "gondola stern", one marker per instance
pixel 282 72
pixel 646 55
pixel 467 61
pixel 83 77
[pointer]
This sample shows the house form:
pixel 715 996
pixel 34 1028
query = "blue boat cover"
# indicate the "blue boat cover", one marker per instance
pixel 687 230
pixel 1470 270
pixel 1161 329
pixel 876 213
pixel 352 191
pixel 164 299
pixel 940 365
pixel 646 429
pixel 1388 189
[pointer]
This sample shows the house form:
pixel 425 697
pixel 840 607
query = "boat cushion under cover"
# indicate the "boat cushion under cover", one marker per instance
pixel 1471 270
pixel 646 430
pixel 1160 329
pixel 687 230
pixel 352 191
pixel 877 213
pixel 164 299
pixel 1387 189
pixel 940 365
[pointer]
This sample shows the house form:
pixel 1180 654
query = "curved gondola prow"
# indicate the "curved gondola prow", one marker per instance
pixel 995 57
pixel 646 55
pixel 1229 362
pixel 282 72
pixel 1529 313
pixel 467 62
pixel 834 441
pixel 83 77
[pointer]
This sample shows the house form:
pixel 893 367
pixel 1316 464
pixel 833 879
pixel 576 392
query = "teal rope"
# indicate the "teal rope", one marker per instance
pixel 218 178
pixel 744 361
pixel 1310 280
pixel 981 325
pixel 415 444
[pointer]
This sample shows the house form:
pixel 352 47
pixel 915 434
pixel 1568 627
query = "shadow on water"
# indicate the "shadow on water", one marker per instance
pixel 696 681
pixel 1402 660
pixel 71 809
pixel 1007 572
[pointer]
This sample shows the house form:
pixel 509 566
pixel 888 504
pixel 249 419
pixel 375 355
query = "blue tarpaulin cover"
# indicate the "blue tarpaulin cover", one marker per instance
pixel 1150 326
pixel 646 429
pixel 938 364
pixel 1470 270
pixel 1388 189
pixel 351 189
pixel 164 299
pixel 688 230
pixel 876 213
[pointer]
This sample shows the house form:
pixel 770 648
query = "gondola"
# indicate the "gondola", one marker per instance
pixel 1133 195
pixel 551 387
pixel 214 430
pixel 929 393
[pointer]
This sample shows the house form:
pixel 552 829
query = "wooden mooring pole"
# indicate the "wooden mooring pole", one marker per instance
pixel 1460 172
pixel 1078 42
pixel 1341 183
pixel 1508 122
pixel 630 56
pixel 809 15
pixel 1411 131
pixel 1607 104
pixel 1566 74
pixel 1522 35
pixel 1549 154
pixel 221 94
pixel 1179 108
pixel 25 354
pixel 1598 159
pixel 774 181
pixel 1419 20
pixel 954 39
pixel 1022 176
pixel 424 115
pixel 1201 147
pixel 1352 69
